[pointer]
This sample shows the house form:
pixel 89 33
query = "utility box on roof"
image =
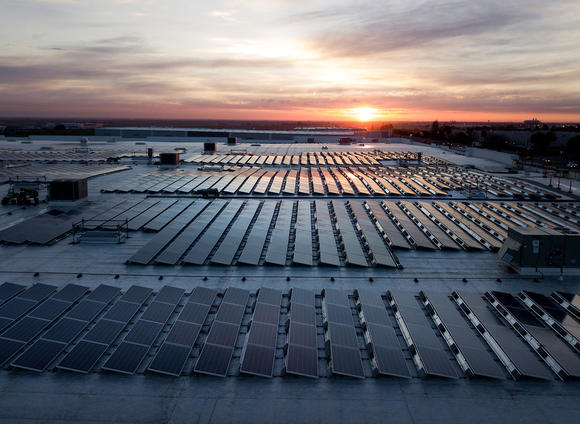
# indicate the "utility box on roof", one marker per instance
pixel 541 250
pixel 68 190
pixel 171 158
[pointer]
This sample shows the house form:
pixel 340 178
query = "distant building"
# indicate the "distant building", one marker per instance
pixel 534 122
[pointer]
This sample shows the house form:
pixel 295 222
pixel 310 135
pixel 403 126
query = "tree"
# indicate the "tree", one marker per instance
pixel 435 129
pixel 541 141
pixel 572 149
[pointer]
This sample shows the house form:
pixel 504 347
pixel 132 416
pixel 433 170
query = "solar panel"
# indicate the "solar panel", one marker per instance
pixel 9 348
pixel 105 331
pixel 555 347
pixel 203 295
pixel 86 310
pixel 103 293
pixel 478 359
pixel 170 359
pixel 70 293
pixel 263 334
pixel 258 360
pixel 230 313
pixel 339 314
pixel 429 355
pixel 38 355
pixel 158 312
pixel 193 312
pixel 50 310
pixel 26 329
pixel 9 290
pixel 126 358
pixel 65 330
pixel 144 332
pixel 502 339
pixel 346 361
pixel 266 313
pixel 342 335
pixel 303 314
pixel 38 292
pixel 390 361
pixel 223 334
pixel 169 294
pixel 122 311
pixel 302 361
pixel 15 308
pixel 214 360
pixel 303 296
pixel 183 333
pixel 136 294
pixel 270 296
pixel 236 296
pixel 336 297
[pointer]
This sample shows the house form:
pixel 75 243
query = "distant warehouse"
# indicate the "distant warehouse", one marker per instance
pixel 300 135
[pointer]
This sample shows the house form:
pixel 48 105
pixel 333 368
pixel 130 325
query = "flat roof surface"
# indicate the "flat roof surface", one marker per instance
pixel 57 396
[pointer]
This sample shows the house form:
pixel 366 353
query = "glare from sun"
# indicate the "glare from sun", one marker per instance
pixel 364 113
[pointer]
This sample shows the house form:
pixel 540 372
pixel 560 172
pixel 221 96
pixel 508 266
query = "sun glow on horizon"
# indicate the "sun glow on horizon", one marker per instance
pixel 364 114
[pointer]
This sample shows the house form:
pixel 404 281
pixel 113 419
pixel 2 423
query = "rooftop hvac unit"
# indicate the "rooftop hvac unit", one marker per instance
pixel 232 141
pixel 171 158
pixel 209 147
pixel 68 190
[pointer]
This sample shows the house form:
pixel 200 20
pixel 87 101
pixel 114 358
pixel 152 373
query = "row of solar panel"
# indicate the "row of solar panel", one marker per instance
pixel 224 232
pixel 547 325
pixel 305 181
pixel 366 231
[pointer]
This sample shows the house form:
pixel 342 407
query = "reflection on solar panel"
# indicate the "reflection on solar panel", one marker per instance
pixel 257 237
pixel 260 349
pixel 386 354
pixel 86 353
pixel 380 252
pixel 386 226
pixel 509 348
pixel 435 234
pixel 428 352
pixel 278 246
pixel 231 243
pixel 218 349
pixel 470 352
pixel 407 226
pixel 302 352
pixel 164 237
pixel 175 350
pixel 352 248
pixel 344 352
pixel 327 242
pixel 303 239
pixel 177 248
pixel 203 247
pixel 132 351
pixel 45 350
pixel 547 309
pixel 551 349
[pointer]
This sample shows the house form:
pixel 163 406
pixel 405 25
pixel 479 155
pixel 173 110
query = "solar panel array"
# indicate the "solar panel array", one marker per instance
pixel 302 349
pixel 491 336
pixel 132 351
pixel 63 331
pixel 341 335
pixel 563 361
pixel 260 349
pixel 386 352
pixel 473 357
pixel 86 353
pixel 428 352
pixel 173 354
pixel 220 344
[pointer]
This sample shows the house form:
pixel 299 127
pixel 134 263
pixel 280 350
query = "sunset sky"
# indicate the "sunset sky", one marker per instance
pixel 291 59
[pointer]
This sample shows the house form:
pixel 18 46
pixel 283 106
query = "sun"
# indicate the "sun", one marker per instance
pixel 364 113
